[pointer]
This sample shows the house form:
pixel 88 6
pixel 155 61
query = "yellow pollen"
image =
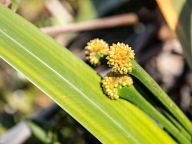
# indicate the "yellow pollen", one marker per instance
pixel 112 80
pixel 119 58
pixel 96 49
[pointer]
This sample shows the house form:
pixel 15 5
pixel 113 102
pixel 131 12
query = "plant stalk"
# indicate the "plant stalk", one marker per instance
pixel 177 124
pixel 148 82
pixel 131 94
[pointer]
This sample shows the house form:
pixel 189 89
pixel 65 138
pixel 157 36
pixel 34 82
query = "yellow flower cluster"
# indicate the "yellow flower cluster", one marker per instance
pixel 112 80
pixel 119 58
pixel 96 49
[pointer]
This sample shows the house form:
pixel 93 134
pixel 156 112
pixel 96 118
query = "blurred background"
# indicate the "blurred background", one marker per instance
pixel 24 109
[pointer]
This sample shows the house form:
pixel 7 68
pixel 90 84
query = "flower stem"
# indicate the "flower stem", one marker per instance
pixel 131 94
pixel 177 124
pixel 148 82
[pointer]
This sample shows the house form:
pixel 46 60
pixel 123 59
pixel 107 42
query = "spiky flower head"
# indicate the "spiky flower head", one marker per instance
pixel 112 80
pixel 119 58
pixel 95 50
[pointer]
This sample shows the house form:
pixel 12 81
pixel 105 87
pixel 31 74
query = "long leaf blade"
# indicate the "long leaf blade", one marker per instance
pixel 73 85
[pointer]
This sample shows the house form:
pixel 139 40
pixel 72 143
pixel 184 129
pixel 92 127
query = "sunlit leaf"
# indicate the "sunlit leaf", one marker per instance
pixel 73 85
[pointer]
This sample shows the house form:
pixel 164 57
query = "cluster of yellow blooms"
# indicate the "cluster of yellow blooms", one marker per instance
pixel 119 57
pixel 112 80
pixel 96 49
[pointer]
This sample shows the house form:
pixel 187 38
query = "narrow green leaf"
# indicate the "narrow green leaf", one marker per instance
pixel 73 85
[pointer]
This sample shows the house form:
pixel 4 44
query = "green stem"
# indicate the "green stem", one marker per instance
pixel 131 94
pixel 148 82
pixel 178 125
pixel 155 103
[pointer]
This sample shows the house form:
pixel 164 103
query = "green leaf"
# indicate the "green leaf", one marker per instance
pixel 73 85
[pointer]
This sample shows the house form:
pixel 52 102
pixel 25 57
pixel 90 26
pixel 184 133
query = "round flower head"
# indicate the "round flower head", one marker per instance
pixel 112 80
pixel 119 58
pixel 95 50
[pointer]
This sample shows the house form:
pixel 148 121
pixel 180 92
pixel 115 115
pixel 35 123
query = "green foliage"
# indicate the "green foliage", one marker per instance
pixel 73 85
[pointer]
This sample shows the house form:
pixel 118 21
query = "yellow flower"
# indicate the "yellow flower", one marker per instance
pixel 95 50
pixel 112 80
pixel 119 58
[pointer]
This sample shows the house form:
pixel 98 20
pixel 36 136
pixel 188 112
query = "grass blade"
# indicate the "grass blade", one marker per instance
pixel 73 85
